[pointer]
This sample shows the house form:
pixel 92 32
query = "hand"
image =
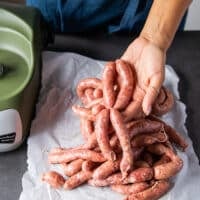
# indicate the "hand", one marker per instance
pixel 148 60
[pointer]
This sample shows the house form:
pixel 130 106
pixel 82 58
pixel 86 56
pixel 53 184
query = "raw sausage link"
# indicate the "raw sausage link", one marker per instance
pixel 106 169
pixel 133 111
pixel 108 79
pixel 123 136
pixel 69 155
pixel 83 112
pixel 87 83
pixel 158 189
pixel 77 179
pixel 86 128
pixel 125 75
pixel 163 103
pixel 147 139
pixel 92 142
pixel 145 126
pixel 72 168
pixel 166 170
pixel 88 165
pixel 94 103
pixel 139 175
pixel 136 176
pixel 57 150
pixel 98 93
pixel 54 179
pixel 131 188
pixel 173 135
pixel 89 94
pixel 101 130
pixel 97 109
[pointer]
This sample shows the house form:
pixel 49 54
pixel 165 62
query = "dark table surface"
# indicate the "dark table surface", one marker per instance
pixel 183 55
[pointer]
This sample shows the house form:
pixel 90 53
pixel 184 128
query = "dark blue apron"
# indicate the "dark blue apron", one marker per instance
pixel 87 15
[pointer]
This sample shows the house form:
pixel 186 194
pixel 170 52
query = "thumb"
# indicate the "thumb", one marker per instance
pixel 152 92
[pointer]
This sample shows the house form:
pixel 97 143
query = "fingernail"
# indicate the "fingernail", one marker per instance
pixel 148 110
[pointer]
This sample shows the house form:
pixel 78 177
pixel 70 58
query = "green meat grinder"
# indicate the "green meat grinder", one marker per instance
pixel 22 39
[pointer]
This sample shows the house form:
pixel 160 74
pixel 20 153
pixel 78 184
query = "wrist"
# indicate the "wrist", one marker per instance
pixel 157 42
pixel 158 38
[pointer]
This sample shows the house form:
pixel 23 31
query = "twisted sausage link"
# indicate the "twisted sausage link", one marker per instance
pixel 123 136
pixel 125 75
pixel 101 130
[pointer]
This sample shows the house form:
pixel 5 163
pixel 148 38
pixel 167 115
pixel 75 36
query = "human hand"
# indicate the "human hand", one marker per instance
pixel 148 61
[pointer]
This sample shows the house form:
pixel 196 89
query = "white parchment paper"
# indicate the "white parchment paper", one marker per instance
pixel 55 125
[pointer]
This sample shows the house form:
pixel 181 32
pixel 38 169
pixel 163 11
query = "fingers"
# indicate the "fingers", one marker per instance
pixel 152 92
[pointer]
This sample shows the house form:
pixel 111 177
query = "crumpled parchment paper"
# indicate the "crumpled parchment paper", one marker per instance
pixel 55 125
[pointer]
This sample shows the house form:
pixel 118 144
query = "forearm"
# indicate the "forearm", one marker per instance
pixel 163 21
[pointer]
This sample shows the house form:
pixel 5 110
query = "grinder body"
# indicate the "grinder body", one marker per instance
pixel 21 43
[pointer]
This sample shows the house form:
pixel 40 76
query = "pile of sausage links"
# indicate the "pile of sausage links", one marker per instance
pixel 123 149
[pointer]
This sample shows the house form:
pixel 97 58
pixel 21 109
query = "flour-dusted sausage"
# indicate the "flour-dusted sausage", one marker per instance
pixel 149 138
pixel 124 139
pixel 158 189
pixel 130 188
pixel 144 126
pixel 169 169
pixel 139 175
pixel 173 135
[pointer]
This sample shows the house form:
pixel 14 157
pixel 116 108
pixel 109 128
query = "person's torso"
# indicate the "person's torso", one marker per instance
pixel 88 15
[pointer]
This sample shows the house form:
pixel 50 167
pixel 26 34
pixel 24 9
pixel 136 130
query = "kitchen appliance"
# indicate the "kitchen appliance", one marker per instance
pixel 22 37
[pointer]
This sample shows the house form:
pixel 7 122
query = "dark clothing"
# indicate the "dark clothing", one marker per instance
pixel 87 15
